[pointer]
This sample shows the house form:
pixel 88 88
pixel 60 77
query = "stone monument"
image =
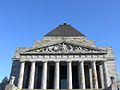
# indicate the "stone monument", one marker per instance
pixel 64 59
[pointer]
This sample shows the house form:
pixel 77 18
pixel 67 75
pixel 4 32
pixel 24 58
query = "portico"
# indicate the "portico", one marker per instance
pixel 63 59
pixel 63 75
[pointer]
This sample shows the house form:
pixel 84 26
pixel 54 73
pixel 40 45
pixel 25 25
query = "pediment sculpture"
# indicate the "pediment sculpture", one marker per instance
pixel 65 48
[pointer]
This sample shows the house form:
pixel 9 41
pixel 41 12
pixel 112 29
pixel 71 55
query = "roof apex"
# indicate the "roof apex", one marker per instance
pixel 64 30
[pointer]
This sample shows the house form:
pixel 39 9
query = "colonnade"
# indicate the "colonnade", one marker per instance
pixel 81 75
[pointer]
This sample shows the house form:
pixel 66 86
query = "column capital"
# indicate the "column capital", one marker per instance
pixel 57 61
pixel 69 61
pixel 81 61
pixel 44 61
pixel 22 61
pixel 102 62
pixel 93 62
pixel 33 61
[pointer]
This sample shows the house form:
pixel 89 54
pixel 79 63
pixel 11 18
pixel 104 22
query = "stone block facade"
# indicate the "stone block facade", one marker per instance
pixel 64 59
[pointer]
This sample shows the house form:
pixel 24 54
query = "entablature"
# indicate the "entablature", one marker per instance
pixel 62 58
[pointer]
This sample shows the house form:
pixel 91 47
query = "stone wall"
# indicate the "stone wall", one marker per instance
pixel 15 70
pixel 112 72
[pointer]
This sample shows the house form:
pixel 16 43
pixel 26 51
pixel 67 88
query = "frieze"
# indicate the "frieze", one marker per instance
pixel 62 57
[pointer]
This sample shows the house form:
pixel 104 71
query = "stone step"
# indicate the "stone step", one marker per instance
pixel 62 89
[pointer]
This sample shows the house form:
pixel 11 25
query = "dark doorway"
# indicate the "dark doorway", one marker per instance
pixel 51 69
pixel 75 76
pixel 26 75
pixel 63 76
pixel 38 75
pixel 87 79
pixel 98 76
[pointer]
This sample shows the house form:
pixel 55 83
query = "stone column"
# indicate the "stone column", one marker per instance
pixel 81 75
pixel 105 74
pixel 21 75
pixel 56 79
pixel 69 75
pixel 32 76
pixel 101 76
pixel 44 76
pixel 90 77
pixel 95 80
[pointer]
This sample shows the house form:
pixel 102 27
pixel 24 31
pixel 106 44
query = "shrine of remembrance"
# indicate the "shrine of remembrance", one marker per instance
pixel 64 59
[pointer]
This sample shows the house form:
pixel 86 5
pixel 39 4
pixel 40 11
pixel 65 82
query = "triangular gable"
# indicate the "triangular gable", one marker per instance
pixel 65 48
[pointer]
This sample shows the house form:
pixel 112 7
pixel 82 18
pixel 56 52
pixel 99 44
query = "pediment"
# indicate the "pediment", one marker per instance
pixel 65 48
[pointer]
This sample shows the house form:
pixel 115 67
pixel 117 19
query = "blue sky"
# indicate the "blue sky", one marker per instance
pixel 24 21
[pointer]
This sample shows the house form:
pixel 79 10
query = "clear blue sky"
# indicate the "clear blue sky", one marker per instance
pixel 23 21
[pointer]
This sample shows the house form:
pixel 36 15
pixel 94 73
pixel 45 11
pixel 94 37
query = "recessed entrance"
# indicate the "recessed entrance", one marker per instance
pixel 63 75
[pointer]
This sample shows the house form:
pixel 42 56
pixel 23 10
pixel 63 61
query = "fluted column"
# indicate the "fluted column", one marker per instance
pixel 69 75
pixel 101 76
pixel 81 75
pixel 44 76
pixel 32 76
pixel 90 77
pixel 105 74
pixel 21 75
pixel 56 79
pixel 95 80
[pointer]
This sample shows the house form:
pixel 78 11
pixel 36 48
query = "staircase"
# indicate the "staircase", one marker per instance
pixel 63 89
